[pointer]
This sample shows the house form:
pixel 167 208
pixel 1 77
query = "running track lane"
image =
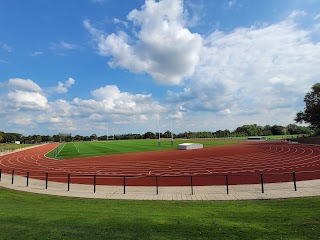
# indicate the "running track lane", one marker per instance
pixel 243 163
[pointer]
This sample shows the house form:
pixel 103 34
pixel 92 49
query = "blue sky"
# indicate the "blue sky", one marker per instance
pixel 83 67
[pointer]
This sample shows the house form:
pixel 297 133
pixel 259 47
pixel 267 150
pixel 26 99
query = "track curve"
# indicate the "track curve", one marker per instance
pixel 243 163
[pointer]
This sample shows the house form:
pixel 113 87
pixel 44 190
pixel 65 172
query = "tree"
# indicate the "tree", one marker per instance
pixel 93 137
pixel 277 130
pixel 2 137
pixel 311 114
pixel 167 134
pixel 150 135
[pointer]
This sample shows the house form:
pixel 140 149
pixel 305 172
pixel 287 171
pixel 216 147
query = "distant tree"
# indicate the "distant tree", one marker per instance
pixel 167 134
pixel 266 131
pixel 277 130
pixel 149 135
pixel 78 138
pixel 46 138
pixel 2 137
pixel 56 138
pixel 311 114
pixel 11 138
pixel 93 137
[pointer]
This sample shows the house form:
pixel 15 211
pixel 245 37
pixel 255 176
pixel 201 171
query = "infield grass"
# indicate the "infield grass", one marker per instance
pixel 86 149
pixel 32 216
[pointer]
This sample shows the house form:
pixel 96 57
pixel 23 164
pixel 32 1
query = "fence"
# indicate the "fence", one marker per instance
pixel 65 181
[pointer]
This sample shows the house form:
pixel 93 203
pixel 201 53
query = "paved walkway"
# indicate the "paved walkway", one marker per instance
pixel 198 193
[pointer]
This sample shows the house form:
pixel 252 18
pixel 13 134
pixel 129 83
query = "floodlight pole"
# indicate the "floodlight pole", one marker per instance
pixel 159 131
pixel 113 133
pixel 107 133
pixel 171 134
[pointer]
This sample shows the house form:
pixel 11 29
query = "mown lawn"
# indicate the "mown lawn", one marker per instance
pixel 32 216
pixel 4 147
pixel 86 149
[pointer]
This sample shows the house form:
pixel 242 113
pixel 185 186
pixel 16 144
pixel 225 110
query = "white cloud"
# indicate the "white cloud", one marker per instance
pixel 118 21
pixel 25 104
pixel 62 45
pixel 317 17
pixel 250 70
pixel 176 115
pixel 27 100
pixel 22 120
pixel 109 99
pixel 36 53
pixel 24 85
pixel 163 47
pixel 64 87
pixel 297 14
pixel 5 47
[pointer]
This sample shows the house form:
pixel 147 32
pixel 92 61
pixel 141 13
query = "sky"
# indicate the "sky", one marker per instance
pixel 90 66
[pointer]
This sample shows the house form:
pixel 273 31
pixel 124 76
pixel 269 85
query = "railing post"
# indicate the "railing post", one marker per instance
pixel 294 181
pixel 46 180
pixel 94 183
pixel 191 185
pixel 68 182
pixel 0 174
pixel 124 185
pixel 227 184
pixel 261 179
pixel 12 176
pixel 157 185
pixel 27 179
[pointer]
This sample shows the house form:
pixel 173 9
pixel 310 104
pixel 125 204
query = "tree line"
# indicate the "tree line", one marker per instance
pixel 243 131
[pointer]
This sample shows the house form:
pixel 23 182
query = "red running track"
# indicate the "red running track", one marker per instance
pixel 243 163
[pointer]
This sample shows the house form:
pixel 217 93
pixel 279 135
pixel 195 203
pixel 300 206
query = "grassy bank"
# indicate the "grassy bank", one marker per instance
pixel 31 216
pixel 11 147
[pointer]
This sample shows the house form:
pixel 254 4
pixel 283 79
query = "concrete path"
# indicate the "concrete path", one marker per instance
pixel 197 193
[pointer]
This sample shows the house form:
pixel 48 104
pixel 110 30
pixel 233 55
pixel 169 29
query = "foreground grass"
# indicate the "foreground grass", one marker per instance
pixel 86 149
pixel 31 216
pixel 4 147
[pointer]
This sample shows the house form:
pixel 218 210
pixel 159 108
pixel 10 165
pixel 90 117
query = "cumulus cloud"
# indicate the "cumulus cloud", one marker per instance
pixel 27 100
pixel 250 70
pixel 110 99
pixel 25 94
pixel 176 115
pixel 24 85
pixel 26 104
pixel 64 87
pixel 118 21
pixel 162 47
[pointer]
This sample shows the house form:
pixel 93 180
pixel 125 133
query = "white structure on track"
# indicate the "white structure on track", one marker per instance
pixel 189 146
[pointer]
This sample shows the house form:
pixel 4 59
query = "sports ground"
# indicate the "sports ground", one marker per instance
pixel 32 216
pixel 244 163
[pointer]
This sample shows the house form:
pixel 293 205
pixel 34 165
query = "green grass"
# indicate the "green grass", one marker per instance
pixel 4 147
pixel 86 149
pixel 32 216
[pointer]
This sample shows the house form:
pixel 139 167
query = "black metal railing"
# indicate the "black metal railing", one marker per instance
pixel 164 180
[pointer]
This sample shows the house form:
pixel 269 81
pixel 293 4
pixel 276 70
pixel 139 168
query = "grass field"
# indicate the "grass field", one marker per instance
pixel 32 216
pixel 10 147
pixel 86 149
